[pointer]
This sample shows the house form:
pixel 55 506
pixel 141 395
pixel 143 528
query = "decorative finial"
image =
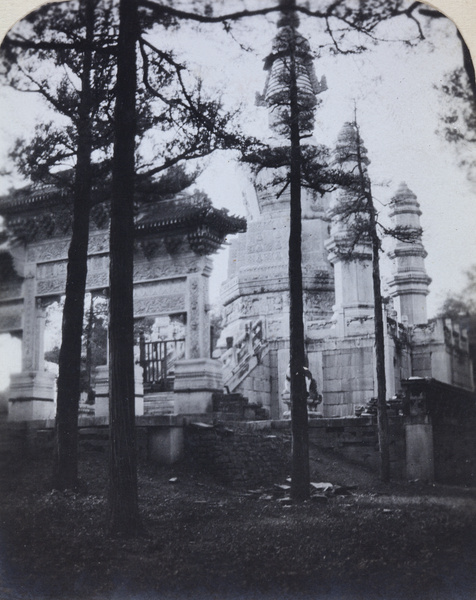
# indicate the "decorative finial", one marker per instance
pixel 289 17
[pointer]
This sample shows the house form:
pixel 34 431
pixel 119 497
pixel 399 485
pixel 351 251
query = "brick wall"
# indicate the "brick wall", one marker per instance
pixel 237 455
pixel 24 440
pixel 356 439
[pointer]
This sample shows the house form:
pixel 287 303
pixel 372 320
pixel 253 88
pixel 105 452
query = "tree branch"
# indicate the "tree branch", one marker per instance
pixel 80 46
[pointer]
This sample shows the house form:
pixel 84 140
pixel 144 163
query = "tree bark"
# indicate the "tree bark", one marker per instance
pixel 382 417
pixel 65 464
pixel 124 516
pixel 300 479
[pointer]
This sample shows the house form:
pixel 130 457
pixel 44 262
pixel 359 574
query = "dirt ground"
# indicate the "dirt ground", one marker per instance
pixel 205 541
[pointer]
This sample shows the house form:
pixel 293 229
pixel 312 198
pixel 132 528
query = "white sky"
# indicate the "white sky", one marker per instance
pixel 398 110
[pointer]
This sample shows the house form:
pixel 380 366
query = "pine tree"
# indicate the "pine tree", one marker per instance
pixel 89 52
pixel 355 211
pixel 291 100
pixel 55 27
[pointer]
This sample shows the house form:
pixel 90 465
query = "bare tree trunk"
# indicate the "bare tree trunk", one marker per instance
pixel 299 418
pixel 65 467
pixel 123 496
pixel 382 416
pixel 89 343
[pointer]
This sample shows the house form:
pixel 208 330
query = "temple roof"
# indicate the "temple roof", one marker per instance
pixel 184 211
pixel 44 212
pixel 30 197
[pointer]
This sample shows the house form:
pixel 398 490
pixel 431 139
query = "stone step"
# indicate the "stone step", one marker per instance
pixel 236 407
pixel 159 404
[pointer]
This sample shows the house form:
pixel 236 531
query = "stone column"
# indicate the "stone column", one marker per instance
pixel 101 406
pixel 409 282
pixel 30 359
pixel 418 431
pixel 198 319
pixel 354 302
pixel 32 392
pixel 198 376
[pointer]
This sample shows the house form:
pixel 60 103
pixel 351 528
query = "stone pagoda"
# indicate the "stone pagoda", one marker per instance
pixel 257 288
pixel 337 291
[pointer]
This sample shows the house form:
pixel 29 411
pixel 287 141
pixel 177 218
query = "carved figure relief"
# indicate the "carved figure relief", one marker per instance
pixel 98 243
pixel 29 317
pixel 168 287
pixel 51 251
pixel 156 306
pixel 194 319
pixel 165 268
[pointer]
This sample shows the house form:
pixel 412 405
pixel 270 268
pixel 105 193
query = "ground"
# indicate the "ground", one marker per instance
pixel 204 541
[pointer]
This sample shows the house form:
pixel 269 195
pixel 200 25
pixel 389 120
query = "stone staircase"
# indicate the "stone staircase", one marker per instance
pixel 247 352
pixel 236 407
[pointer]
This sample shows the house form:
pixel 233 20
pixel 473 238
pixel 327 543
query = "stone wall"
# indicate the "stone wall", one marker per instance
pixel 454 446
pixel 28 439
pixel 239 455
pixel 453 418
pixel 243 456
pixel 451 411
pixel 356 439
pixel 441 350
pixel 348 376
pixel 256 453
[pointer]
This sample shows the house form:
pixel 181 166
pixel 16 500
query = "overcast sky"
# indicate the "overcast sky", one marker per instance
pixel 399 111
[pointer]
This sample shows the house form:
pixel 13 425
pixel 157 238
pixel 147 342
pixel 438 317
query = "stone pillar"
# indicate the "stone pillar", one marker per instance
pixel 101 407
pixel 409 282
pixel 31 315
pixel 165 443
pixel 354 302
pixel 32 392
pixel 101 388
pixel 198 376
pixel 418 433
pixel 198 319
pixel 419 451
pixel 195 381
pixel 352 259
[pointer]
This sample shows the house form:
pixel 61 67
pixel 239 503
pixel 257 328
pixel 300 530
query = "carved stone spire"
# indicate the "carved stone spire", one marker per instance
pixel 352 260
pixel 409 282
pixel 276 91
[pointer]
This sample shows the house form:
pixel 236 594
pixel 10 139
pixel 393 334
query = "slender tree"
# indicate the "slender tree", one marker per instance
pixel 123 497
pixel 300 488
pixel 59 29
pixel 200 127
pixel 291 116
pixel 355 210
pixel 65 473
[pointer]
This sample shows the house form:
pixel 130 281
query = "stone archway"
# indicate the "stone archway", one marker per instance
pixel 171 274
